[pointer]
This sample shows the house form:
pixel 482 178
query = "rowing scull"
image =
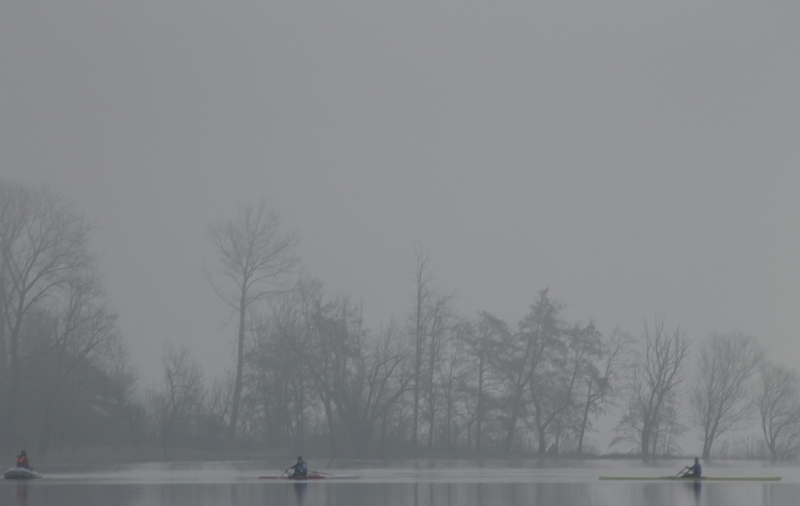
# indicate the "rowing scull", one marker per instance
pixel 701 478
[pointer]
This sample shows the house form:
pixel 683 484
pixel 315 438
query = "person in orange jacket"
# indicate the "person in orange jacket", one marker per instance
pixel 22 461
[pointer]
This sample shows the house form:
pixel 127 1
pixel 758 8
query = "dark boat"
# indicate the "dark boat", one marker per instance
pixel 315 476
pixel 694 478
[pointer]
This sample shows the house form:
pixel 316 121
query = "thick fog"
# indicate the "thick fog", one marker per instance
pixel 636 158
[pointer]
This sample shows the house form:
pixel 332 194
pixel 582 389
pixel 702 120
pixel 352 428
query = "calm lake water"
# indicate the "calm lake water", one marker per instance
pixel 403 483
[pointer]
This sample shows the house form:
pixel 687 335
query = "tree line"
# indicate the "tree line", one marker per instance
pixel 310 375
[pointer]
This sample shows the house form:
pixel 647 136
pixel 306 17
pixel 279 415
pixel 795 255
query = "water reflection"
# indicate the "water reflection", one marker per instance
pixel 697 488
pixel 300 492
pixel 402 494
pixel 412 485
pixel 22 493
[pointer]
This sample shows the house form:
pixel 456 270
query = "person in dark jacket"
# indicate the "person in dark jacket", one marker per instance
pixel 300 469
pixel 694 471
pixel 22 461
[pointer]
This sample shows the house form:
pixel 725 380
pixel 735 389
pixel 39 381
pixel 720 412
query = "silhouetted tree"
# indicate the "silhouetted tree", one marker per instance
pixel 601 380
pixel 441 319
pixel 453 371
pixel 178 401
pixel 720 398
pixel 44 245
pixel 362 377
pixel 482 340
pixel 277 381
pixel 128 415
pixel 84 331
pixel 216 408
pixel 652 389
pixel 423 276
pixel 779 406
pixel 253 254
pixel 521 356
pixel 553 385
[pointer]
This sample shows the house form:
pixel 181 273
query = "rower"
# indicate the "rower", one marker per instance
pixel 300 468
pixel 22 461
pixel 694 471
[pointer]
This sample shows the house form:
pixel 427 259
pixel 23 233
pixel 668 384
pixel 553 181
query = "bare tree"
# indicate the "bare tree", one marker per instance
pixel 179 400
pixel 602 379
pixel 83 329
pixel 43 246
pixel 254 254
pixel 441 318
pixel 779 407
pixel 128 414
pixel 4 314
pixel 553 385
pixel 453 372
pixel 276 378
pixel 360 376
pixel 489 332
pixel 520 357
pixel 423 277
pixel 216 409
pixel 720 398
pixel 653 387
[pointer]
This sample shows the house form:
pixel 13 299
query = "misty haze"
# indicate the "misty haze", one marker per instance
pixel 449 252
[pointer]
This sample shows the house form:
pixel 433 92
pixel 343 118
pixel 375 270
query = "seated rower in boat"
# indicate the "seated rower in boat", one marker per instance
pixel 300 468
pixel 694 471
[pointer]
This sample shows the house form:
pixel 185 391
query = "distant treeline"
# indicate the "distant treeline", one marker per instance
pixel 309 375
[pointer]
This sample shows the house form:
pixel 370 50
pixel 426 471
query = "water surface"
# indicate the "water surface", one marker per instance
pixel 403 483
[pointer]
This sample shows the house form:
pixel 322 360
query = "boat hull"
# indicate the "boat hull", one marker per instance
pixel 701 478
pixel 312 477
pixel 20 473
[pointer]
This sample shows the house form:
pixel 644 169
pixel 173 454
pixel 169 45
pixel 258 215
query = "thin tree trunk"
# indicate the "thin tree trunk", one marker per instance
pixel 3 323
pixel 237 388
pixel 431 396
pixel 14 385
pixel 417 373
pixel 47 425
pixel 479 408
pixel 512 422
pixel 519 385
pixel 331 425
pixel 585 420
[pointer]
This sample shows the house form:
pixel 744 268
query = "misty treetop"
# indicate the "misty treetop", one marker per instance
pixel 62 364
pixel 308 375
pixel 253 254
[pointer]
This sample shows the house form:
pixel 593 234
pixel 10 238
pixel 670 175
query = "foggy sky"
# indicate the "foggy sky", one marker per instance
pixel 635 157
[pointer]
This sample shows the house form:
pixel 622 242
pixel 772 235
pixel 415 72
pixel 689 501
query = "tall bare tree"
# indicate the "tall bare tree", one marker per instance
pixel 423 277
pixel 720 398
pixel 441 322
pixel 254 255
pixel 653 387
pixel 44 244
pixel 602 379
pixel 779 407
